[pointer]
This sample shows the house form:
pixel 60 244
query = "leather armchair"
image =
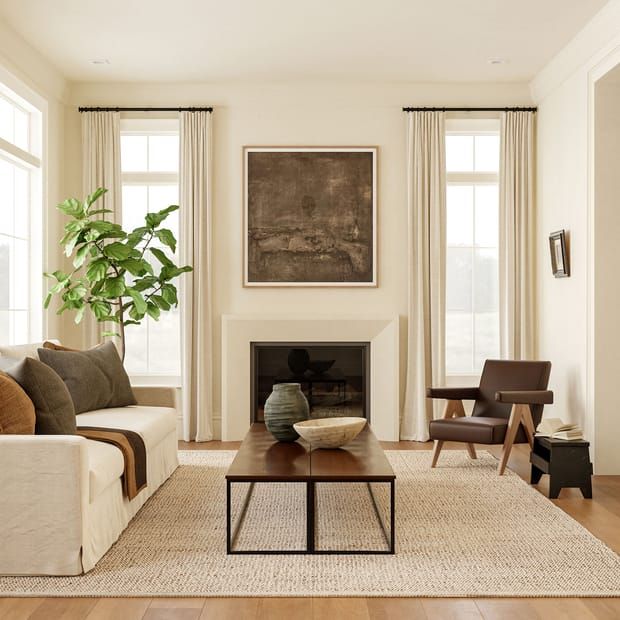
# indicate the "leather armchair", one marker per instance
pixel 508 407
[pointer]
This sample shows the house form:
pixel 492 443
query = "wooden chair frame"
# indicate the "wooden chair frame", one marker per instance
pixel 520 415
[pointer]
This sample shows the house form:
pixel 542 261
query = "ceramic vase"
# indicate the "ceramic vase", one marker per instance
pixel 285 406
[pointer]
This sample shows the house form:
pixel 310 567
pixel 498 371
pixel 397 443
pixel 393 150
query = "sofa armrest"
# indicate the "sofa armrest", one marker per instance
pixel 44 482
pixel 525 397
pixel 157 396
pixel 453 393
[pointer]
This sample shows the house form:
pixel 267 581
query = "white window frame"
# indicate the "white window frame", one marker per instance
pixel 34 161
pixel 466 127
pixel 134 126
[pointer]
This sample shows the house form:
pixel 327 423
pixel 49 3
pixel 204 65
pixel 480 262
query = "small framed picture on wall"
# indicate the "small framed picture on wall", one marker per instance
pixel 559 254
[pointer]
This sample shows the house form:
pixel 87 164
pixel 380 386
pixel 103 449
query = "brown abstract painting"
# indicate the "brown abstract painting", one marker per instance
pixel 310 216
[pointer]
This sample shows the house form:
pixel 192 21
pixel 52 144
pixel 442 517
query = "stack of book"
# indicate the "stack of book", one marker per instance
pixel 557 429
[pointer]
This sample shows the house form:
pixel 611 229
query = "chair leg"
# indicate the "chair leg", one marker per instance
pixel 472 451
pixel 516 418
pixel 436 450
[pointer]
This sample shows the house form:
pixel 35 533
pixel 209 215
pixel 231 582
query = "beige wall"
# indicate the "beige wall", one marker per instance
pixel 298 114
pixel 607 270
pixel 567 308
pixel 47 88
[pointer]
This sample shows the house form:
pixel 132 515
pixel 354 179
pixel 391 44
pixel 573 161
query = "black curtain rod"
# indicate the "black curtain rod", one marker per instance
pixel 513 109
pixel 145 109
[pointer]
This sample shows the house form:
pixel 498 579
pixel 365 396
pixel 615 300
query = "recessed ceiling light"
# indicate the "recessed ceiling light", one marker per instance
pixel 497 61
pixel 99 61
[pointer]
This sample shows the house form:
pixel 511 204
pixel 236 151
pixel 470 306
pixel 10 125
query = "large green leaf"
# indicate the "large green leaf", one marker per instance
pixel 136 266
pixel 167 238
pixel 161 302
pixel 153 220
pixel 72 207
pixel 153 311
pixel 145 283
pixel 138 301
pixel 117 251
pixel 170 272
pixel 80 255
pixel 97 270
pixel 100 191
pixel 169 293
pixel 101 309
pixel 113 287
pixel 161 257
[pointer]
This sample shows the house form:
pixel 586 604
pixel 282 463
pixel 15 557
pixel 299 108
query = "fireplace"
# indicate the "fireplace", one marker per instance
pixel 334 376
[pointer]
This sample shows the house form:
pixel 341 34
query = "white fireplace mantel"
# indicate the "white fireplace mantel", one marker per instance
pixel 239 331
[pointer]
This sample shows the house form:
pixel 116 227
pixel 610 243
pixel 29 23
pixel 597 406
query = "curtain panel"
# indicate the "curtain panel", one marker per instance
pixel 196 287
pixel 101 157
pixel 426 202
pixel 517 235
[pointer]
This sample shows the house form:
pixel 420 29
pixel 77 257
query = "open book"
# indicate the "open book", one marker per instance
pixel 557 429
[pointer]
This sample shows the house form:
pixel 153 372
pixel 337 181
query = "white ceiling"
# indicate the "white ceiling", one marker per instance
pixel 218 40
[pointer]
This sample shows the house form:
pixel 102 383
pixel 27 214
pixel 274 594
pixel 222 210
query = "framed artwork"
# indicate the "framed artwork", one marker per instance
pixel 310 216
pixel 559 254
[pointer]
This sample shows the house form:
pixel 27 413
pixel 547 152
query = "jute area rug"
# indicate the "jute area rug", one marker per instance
pixel 460 531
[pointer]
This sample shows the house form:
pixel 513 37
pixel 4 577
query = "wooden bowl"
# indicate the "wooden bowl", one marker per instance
pixel 330 432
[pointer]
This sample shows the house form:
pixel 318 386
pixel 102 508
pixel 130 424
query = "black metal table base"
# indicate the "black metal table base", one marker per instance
pixel 311 509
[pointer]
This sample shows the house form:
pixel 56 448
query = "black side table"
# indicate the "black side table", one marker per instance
pixel 567 463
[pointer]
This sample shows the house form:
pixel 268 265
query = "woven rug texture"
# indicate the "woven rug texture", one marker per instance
pixel 461 530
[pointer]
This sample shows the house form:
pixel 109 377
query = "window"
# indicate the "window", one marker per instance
pixel 21 277
pixel 472 236
pixel 150 177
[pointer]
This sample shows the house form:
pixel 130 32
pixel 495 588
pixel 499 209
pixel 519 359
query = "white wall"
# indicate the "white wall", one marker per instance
pixel 563 92
pixel 46 87
pixel 298 114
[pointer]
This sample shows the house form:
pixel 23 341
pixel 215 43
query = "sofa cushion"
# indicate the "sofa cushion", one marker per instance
pixel 105 465
pixel 95 378
pixel 470 429
pixel 54 413
pixel 151 423
pixel 16 409
pixel 18 351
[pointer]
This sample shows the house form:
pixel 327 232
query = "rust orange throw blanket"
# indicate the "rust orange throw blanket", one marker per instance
pixel 134 454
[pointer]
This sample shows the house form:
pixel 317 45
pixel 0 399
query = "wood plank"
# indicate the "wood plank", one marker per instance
pixel 230 609
pixel 395 609
pixel 285 609
pixel 341 608
pixel 175 609
pixel 603 608
pixel 125 608
pixel 507 609
pixel 18 608
pixel 562 609
pixel 451 609
pixel 64 609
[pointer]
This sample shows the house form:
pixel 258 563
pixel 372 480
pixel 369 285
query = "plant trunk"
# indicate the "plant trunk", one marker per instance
pixel 121 327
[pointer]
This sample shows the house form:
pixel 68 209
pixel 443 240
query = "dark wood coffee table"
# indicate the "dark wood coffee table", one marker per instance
pixel 262 459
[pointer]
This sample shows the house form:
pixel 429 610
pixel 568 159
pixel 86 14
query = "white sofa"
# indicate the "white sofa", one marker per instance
pixel 61 500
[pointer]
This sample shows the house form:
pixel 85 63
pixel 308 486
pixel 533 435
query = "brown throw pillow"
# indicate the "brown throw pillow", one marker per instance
pixel 16 409
pixel 53 407
pixel 95 378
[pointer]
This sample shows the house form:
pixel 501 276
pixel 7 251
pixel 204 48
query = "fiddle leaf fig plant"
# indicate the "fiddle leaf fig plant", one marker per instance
pixel 118 276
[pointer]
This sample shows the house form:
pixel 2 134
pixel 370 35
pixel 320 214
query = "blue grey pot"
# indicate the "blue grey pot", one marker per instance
pixel 285 406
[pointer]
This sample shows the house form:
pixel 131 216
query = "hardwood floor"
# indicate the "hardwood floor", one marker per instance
pixel 601 516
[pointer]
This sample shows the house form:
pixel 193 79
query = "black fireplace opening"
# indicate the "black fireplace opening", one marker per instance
pixel 334 376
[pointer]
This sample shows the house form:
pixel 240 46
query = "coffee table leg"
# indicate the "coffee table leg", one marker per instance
pixel 392 518
pixel 228 517
pixel 310 515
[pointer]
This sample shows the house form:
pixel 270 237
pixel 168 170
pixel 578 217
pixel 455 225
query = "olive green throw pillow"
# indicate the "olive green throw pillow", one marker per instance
pixel 53 408
pixel 95 378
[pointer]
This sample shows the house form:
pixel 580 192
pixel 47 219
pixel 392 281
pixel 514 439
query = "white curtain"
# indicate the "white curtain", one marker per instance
pixel 426 197
pixel 517 235
pixel 101 167
pixel 196 289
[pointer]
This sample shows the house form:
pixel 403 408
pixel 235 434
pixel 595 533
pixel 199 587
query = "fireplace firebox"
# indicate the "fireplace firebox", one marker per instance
pixel 334 376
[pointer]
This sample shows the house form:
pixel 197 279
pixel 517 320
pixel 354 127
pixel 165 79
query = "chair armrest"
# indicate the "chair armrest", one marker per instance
pixel 525 397
pixel 157 396
pixel 453 393
pixel 45 490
